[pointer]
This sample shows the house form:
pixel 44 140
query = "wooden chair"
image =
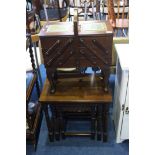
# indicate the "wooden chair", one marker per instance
pixel 33 27
pixel 33 109
pixel 32 22
pixel 118 15
pixel 51 10
pixel 89 9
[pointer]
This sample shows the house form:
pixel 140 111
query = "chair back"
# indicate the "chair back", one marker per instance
pixel 51 9
pixel 89 9
pixel 118 14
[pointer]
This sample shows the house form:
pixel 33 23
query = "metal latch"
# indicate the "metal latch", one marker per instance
pixel 123 107
pixel 127 110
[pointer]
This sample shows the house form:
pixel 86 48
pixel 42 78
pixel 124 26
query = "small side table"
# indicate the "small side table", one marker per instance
pixel 78 92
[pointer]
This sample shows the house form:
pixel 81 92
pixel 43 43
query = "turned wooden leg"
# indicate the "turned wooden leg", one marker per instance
pixel 52 77
pixel 48 122
pixel 52 122
pixel 53 83
pixel 105 122
pixel 99 121
pixel 57 123
pixel 61 123
pixel 93 120
pixel 106 73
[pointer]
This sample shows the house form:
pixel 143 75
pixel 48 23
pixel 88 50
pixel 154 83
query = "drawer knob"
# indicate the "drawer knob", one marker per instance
pixel 94 40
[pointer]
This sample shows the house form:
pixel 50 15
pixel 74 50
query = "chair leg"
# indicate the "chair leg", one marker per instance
pixel 115 32
pixel 124 33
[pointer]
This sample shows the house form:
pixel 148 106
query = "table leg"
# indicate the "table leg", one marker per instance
pixel 93 120
pixel 99 122
pixel 52 76
pixel 105 122
pixel 56 123
pixel 61 122
pixel 52 120
pixel 48 122
pixel 62 126
pixel 105 74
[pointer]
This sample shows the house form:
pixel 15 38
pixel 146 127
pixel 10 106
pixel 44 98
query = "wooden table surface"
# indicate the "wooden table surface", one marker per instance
pixel 76 90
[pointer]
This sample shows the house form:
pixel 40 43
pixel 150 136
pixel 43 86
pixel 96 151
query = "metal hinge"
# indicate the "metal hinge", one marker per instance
pixel 123 107
pixel 127 110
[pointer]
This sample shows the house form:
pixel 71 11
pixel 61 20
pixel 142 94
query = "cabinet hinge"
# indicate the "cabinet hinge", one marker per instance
pixel 123 106
pixel 127 110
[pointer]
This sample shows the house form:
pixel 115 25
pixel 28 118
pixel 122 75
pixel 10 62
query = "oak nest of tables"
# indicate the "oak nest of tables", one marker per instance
pixel 83 93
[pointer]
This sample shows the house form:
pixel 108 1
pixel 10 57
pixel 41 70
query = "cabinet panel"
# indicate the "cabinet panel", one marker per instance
pixel 121 101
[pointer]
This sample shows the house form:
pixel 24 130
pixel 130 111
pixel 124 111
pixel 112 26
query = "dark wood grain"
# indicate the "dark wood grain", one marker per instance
pixel 77 47
pixel 75 90
pixel 77 98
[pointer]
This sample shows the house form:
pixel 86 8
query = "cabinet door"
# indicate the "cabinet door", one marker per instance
pixel 125 121
pixel 120 116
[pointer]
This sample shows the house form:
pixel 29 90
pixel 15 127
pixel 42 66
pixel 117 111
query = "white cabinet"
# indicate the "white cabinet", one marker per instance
pixel 121 94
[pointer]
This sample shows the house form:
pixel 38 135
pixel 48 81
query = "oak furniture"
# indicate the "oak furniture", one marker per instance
pixel 72 94
pixel 118 15
pixel 86 8
pixel 51 10
pixel 77 45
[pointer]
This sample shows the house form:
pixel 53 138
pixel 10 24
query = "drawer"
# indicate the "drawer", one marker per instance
pixel 51 44
pixel 100 45
pixel 94 56
pixel 88 51
pixel 59 63
pixel 66 59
